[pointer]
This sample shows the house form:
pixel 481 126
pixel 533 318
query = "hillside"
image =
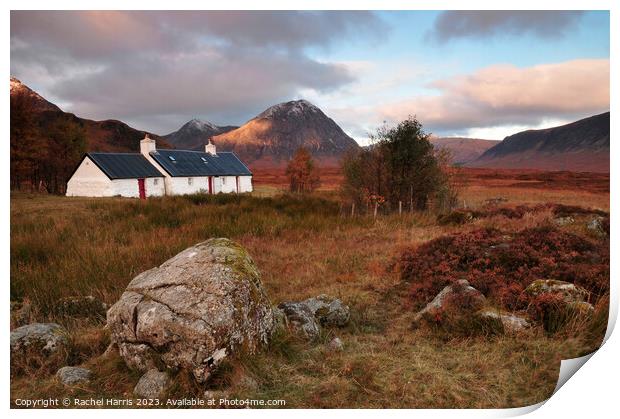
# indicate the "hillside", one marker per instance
pixel 194 134
pixel 579 146
pixel 272 137
pixel 106 135
pixel 463 150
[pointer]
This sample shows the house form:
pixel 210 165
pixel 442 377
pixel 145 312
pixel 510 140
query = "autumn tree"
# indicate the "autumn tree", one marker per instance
pixel 23 141
pixel 401 165
pixel 45 147
pixel 302 172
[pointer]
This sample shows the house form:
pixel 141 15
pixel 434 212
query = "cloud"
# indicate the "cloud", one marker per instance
pixel 509 95
pixel 480 24
pixel 158 67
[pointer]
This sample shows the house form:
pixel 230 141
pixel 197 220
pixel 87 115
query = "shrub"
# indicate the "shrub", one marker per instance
pixel 401 166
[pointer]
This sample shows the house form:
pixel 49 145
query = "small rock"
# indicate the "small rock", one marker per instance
pixel 567 302
pixel 217 394
pixel 580 308
pixel 48 338
pixel 460 289
pixel 510 322
pixel 301 319
pixel 152 385
pixel 73 375
pixel 336 345
pixel 596 225
pixel 82 307
pixel 568 291
pixel 562 221
pixel 329 311
pixel 307 316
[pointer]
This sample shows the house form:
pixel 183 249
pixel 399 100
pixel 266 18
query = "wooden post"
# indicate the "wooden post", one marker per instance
pixel 353 209
pixel 376 207
pixel 411 198
pixel 400 208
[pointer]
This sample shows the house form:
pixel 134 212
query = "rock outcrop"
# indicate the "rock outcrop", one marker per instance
pixel 194 310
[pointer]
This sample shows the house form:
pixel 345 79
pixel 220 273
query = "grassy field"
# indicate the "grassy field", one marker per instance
pixel 303 247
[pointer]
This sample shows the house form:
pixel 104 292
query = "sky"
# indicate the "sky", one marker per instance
pixel 480 74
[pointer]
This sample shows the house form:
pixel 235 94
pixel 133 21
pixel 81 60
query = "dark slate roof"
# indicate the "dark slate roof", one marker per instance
pixel 124 165
pixel 197 163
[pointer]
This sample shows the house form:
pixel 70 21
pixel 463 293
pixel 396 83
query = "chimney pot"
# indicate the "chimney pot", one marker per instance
pixel 210 148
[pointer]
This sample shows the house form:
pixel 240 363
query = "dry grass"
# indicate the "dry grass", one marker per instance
pixel 303 247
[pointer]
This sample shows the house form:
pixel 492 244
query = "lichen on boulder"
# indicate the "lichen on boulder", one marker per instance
pixel 193 311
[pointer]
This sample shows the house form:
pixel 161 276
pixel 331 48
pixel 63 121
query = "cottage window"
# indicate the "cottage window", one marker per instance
pixel 155 181
pixel 190 181
pixel 223 181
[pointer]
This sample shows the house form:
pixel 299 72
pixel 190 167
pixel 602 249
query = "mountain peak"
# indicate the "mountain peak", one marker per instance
pixel 288 109
pixel 273 136
pixel 38 102
pixel 195 133
pixel 200 125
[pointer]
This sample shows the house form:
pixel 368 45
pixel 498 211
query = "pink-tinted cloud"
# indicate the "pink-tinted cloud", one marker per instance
pixel 505 94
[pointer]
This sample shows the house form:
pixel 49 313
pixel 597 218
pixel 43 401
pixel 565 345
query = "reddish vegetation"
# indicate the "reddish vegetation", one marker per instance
pixel 461 216
pixel 502 265
pixel 524 178
pixel 331 178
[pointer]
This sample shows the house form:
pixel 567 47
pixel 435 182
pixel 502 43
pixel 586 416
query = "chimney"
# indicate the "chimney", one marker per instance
pixel 210 148
pixel 147 145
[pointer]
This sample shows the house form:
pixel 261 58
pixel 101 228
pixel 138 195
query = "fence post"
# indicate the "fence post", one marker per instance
pixel 400 208
pixel 376 207
pixel 353 209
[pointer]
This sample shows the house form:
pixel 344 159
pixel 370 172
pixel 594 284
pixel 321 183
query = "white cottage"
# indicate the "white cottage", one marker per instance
pixel 155 172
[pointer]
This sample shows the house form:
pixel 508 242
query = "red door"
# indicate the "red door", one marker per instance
pixel 210 184
pixel 142 188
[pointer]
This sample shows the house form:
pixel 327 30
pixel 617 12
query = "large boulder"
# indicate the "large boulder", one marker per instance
pixel 194 310
pixel 308 315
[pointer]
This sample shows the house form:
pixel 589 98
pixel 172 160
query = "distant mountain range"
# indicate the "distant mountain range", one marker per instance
pixel 109 135
pixel 579 146
pixel 463 150
pixel 194 134
pixel 273 136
